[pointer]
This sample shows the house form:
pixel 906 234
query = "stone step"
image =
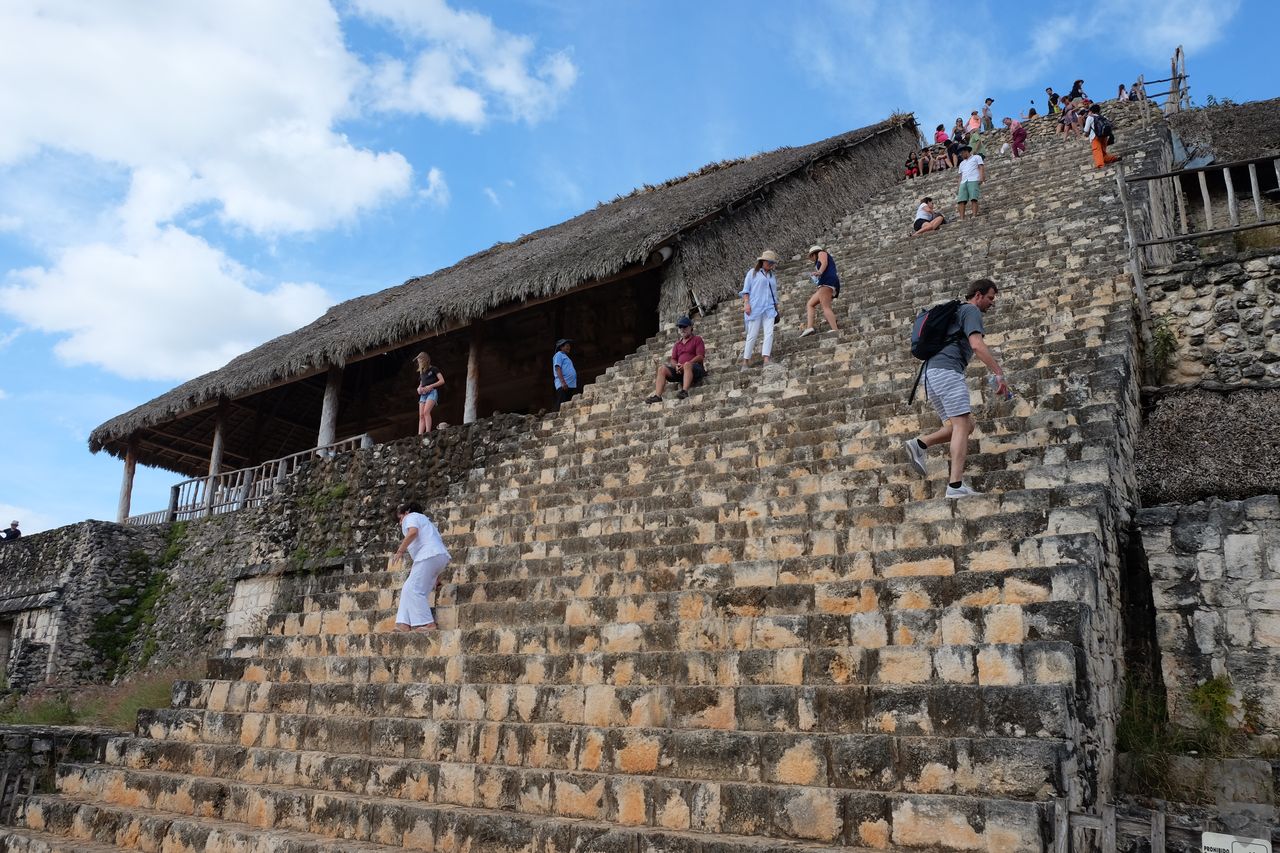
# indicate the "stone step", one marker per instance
pixel 30 841
pixel 404 757
pixel 756 619
pixel 923 709
pixel 87 825
pixel 726 819
pixel 1071 539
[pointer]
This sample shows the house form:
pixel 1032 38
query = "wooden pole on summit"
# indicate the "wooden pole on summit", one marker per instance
pixel 1233 209
pixel 473 378
pixel 329 408
pixel 126 483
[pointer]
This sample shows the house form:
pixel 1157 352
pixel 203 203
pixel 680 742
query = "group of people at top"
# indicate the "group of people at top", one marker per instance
pixel 965 148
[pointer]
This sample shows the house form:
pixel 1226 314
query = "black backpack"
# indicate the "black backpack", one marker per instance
pixel 929 335
pixel 1103 128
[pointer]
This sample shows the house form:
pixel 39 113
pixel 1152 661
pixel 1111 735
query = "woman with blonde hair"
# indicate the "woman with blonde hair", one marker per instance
pixel 760 305
pixel 430 381
pixel 826 288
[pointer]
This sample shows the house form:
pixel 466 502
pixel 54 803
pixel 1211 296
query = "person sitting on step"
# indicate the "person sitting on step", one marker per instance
pixel 686 364
pixel 826 288
pixel 946 389
pixel 927 219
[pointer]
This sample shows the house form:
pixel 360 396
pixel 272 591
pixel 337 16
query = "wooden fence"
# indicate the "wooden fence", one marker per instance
pixel 232 491
pixel 1106 828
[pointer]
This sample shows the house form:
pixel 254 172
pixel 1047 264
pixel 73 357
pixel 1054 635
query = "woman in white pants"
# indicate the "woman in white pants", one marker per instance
pixel 760 305
pixel 423 544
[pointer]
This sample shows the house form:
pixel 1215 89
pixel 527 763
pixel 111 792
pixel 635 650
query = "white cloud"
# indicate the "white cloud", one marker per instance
pixel 4 395
pixel 901 59
pixel 437 189
pixel 125 128
pixel 490 194
pixel 466 66
pixel 232 103
pixel 165 306
pixel 1194 24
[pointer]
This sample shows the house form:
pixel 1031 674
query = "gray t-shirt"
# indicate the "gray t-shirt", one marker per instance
pixel 956 355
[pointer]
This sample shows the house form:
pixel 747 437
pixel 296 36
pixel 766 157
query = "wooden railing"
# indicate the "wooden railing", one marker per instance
pixel 1107 828
pixel 232 491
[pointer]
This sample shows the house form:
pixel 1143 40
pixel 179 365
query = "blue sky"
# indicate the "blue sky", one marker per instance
pixel 180 181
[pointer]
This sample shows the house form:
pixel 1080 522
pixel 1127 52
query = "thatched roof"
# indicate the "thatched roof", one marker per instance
pixel 594 245
pixel 1232 132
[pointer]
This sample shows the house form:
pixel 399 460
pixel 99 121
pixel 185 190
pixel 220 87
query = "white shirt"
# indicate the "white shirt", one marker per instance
pixel 428 542
pixel 1088 126
pixel 969 168
pixel 922 212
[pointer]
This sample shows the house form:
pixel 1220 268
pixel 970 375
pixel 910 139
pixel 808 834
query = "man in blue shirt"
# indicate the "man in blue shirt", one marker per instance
pixel 563 372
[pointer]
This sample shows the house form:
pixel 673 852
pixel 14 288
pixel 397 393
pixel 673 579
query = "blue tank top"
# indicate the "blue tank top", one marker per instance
pixel 830 277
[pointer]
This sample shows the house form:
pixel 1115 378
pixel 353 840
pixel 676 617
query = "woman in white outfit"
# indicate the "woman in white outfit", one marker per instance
pixel 760 305
pixel 423 544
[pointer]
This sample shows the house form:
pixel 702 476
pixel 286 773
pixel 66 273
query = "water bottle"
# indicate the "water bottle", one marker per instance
pixel 813 278
pixel 993 382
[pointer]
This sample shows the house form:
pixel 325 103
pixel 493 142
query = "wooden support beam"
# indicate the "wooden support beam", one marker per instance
pixel 329 410
pixel 1197 235
pixel 1061 826
pixel 1233 209
pixel 1253 189
pixel 1157 830
pixel 473 378
pixel 219 441
pixel 1182 203
pixel 126 483
pixel 1109 828
pixel 1204 196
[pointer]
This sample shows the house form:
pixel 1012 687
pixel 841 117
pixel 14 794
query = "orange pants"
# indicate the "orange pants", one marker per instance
pixel 1100 155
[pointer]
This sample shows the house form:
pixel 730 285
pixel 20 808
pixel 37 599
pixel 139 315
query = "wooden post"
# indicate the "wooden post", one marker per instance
pixel 1182 202
pixel 1233 210
pixel 329 409
pixel 473 379
pixel 126 484
pixel 1139 283
pixel 1061 826
pixel 172 515
pixel 1157 829
pixel 215 457
pixel 1204 196
pixel 1253 189
pixel 1109 828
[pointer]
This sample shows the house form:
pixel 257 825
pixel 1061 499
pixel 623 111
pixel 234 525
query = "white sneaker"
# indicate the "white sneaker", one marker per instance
pixel 807 332
pixel 915 455
pixel 962 491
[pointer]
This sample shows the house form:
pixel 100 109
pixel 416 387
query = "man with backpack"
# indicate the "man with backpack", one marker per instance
pixel 946 337
pixel 1101 133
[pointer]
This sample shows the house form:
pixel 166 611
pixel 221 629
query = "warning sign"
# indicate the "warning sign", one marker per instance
pixel 1214 842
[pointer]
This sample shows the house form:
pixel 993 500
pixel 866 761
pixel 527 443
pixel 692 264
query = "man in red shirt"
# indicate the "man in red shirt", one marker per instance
pixel 686 363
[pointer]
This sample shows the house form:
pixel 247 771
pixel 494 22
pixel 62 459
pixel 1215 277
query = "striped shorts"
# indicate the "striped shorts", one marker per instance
pixel 948 392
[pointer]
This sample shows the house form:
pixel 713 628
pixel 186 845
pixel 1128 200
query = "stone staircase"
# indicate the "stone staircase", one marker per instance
pixel 737 622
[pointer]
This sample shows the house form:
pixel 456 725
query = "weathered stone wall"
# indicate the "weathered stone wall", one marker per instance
pixel 29 755
pixel 56 586
pixel 1215 571
pixel 1225 316
pixel 100 600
